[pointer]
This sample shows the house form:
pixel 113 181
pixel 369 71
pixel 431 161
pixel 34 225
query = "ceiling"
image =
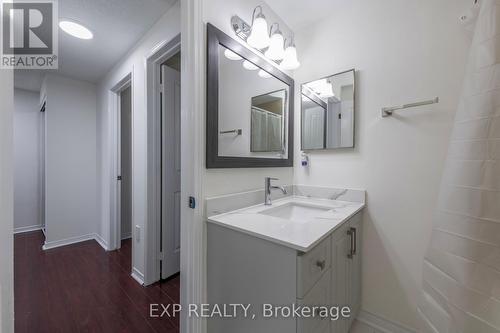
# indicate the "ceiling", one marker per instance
pixel 117 25
pixel 300 13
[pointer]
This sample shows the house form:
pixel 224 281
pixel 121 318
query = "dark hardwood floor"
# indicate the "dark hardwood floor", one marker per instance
pixel 82 288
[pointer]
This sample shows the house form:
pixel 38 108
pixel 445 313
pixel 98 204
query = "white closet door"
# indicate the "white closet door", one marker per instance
pixel 171 171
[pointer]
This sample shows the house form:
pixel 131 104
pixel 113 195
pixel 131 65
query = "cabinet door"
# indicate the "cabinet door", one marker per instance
pixel 341 247
pixel 355 268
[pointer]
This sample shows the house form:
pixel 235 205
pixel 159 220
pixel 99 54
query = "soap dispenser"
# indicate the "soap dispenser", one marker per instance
pixel 304 159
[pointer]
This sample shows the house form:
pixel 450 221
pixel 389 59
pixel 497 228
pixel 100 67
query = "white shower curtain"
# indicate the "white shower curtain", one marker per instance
pixel 461 282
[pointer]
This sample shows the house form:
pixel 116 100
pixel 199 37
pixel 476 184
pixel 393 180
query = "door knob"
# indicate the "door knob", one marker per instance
pixel 321 264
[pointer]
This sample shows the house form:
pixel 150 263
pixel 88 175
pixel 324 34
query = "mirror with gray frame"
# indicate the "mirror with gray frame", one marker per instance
pixel 249 107
pixel 327 112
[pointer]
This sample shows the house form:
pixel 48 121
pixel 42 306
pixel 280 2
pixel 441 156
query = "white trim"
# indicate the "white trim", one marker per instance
pixel 157 55
pixel 114 130
pixel 74 240
pixel 30 228
pixel 67 241
pixel 193 239
pixel 382 324
pixel 101 242
pixel 138 276
pixel 42 167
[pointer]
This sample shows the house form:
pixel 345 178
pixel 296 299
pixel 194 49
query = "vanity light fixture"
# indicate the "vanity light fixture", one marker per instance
pixel 270 43
pixel 75 29
pixel 290 61
pixel 259 37
pixel 326 90
pixel 248 65
pixel 263 74
pixel 323 88
pixel 231 55
pixel 276 51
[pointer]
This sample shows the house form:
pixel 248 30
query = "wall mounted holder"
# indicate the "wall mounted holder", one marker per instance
pixel 238 131
pixel 388 111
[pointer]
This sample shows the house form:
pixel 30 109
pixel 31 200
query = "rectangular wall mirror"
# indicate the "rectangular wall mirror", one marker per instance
pixel 249 107
pixel 327 112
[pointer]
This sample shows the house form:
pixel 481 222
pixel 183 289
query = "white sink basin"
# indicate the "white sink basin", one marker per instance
pixel 295 211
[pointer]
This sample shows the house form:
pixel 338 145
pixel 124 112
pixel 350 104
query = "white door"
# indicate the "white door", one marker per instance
pixel 126 163
pixel 171 171
pixel 42 166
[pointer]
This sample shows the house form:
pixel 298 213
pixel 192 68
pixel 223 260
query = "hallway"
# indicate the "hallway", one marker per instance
pixel 82 288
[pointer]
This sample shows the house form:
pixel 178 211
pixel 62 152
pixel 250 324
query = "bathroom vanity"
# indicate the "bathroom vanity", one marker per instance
pixel 300 250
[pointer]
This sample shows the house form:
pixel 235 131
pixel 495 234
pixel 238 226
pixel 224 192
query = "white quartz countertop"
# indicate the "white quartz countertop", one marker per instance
pixel 299 234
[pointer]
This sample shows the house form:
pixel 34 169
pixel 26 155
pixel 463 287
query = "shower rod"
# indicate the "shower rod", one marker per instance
pixel 386 112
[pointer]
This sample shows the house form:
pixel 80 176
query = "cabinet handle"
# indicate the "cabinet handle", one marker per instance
pixel 355 232
pixel 351 250
pixel 321 264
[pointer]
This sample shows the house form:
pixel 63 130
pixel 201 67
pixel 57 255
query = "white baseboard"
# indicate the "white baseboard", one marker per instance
pixel 67 241
pixel 101 242
pixel 127 235
pixel 382 324
pixel 138 276
pixel 27 229
pixel 74 240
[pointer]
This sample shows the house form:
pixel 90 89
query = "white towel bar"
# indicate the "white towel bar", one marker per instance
pixel 386 112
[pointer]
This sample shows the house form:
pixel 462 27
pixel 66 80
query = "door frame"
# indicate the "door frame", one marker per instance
pixel 171 171
pixel 193 236
pixel 42 165
pixel 115 140
pixel 156 57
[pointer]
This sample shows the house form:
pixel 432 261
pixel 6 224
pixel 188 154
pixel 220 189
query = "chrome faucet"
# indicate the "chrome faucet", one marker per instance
pixel 267 190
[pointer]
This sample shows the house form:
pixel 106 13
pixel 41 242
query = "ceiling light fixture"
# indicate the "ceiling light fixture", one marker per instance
pixel 231 55
pixel 248 65
pixel 76 30
pixel 290 61
pixel 259 37
pixel 275 51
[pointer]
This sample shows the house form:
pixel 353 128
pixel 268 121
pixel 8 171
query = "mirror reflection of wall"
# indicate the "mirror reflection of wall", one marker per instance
pixel 253 109
pixel 328 112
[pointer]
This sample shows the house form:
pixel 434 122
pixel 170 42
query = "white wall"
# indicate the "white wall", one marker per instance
pixel 223 181
pixel 404 51
pixel 134 62
pixel 71 177
pixel 27 121
pixel 6 203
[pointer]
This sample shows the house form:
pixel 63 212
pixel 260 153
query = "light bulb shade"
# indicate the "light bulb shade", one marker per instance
pixel 231 55
pixel 248 65
pixel 323 88
pixel 275 50
pixel 290 61
pixel 263 74
pixel 259 37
